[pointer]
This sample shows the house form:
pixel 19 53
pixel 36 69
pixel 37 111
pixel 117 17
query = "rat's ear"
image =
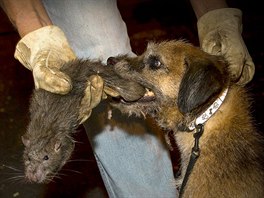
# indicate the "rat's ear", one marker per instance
pixel 57 146
pixel 204 78
pixel 25 140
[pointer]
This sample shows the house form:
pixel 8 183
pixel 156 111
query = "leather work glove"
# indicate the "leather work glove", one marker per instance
pixel 220 34
pixel 93 95
pixel 44 51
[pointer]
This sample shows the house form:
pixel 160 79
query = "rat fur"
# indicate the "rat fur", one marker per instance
pixel 54 118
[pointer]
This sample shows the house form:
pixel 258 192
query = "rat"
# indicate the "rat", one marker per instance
pixel 54 119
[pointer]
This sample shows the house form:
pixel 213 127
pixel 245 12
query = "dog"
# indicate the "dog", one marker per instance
pixel 187 90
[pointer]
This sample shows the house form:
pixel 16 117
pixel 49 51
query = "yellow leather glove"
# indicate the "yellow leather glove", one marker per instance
pixel 44 51
pixel 220 34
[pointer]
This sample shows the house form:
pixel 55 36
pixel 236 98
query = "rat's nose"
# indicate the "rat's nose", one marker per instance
pixel 111 61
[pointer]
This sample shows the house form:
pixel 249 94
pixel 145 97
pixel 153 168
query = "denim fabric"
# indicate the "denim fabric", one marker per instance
pixel 131 155
pixel 94 28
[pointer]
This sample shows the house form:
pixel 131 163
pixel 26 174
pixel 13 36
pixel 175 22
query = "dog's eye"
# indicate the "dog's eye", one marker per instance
pixel 154 62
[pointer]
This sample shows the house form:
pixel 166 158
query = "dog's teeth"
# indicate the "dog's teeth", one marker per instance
pixel 149 93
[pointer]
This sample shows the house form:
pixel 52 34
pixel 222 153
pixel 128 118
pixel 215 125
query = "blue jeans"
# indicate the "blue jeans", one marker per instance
pixel 131 155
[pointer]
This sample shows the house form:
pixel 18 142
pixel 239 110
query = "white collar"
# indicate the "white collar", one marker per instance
pixel 209 111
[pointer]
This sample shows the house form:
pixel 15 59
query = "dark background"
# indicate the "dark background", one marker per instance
pixel 146 20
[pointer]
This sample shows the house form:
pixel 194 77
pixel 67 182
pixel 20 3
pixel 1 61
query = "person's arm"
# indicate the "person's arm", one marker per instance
pixel 26 15
pixel 201 7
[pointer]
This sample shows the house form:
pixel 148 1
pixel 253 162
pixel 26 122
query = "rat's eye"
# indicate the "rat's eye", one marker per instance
pixel 45 157
pixel 154 62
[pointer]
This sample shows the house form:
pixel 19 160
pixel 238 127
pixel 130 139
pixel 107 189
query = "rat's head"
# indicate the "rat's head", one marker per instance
pixel 45 156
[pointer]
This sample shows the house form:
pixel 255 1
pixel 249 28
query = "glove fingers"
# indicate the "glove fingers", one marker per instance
pixel 220 48
pixel 97 85
pixel 83 117
pixel 247 73
pixel 92 96
pixel 85 110
pixel 51 80
pixel 111 92
pixel 212 46
pixel 239 61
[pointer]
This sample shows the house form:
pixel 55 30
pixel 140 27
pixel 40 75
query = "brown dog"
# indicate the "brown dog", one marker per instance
pixel 188 88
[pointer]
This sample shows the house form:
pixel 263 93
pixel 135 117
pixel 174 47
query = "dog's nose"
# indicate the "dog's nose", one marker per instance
pixel 111 61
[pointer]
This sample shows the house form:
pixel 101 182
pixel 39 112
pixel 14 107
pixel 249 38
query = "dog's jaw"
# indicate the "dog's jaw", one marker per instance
pixel 146 105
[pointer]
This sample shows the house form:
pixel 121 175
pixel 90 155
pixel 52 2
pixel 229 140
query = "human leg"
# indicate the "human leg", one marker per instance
pixel 94 28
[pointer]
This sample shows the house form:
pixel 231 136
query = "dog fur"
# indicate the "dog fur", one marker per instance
pixel 186 81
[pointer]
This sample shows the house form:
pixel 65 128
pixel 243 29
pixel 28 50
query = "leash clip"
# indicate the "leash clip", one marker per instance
pixel 198 133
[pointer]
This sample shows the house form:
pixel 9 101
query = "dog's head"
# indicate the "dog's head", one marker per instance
pixel 180 80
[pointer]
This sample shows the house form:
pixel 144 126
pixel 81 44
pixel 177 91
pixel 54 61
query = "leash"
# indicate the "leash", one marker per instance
pixel 194 156
pixel 198 125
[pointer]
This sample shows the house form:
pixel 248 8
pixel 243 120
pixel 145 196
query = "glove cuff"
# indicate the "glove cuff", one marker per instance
pixel 46 40
pixel 224 17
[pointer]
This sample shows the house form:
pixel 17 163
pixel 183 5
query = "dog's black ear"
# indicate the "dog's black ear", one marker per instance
pixel 203 80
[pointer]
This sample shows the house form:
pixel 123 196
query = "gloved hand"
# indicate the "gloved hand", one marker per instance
pixel 44 51
pixel 220 34
pixel 93 95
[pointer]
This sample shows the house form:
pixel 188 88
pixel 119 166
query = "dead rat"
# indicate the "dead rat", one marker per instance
pixel 54 118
